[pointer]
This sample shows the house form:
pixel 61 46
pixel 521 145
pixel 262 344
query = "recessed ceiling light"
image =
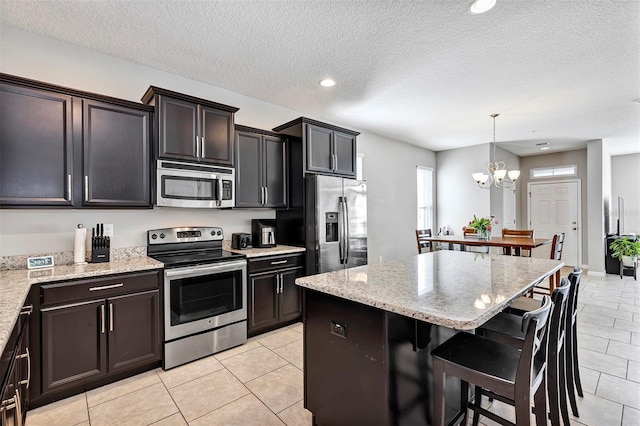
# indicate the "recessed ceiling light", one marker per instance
pixel 327 82
pixel 481 6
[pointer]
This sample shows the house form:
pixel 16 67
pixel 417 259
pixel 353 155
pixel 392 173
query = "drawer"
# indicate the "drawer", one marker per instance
pixel 273 263
pixel 98 288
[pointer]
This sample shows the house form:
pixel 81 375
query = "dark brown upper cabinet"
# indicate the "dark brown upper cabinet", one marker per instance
pixel 192 129
pixel 261 170
pixel 36 147
pixel 111 178
pixel 326 149
pixel 62 147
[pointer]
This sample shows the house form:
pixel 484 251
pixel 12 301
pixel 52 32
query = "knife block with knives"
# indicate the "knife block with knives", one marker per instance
pixel 100 245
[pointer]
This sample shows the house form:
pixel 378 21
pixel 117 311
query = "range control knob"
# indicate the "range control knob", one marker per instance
pixel 219 232
pixel 213 233
pixel 154 236
pixel 162 235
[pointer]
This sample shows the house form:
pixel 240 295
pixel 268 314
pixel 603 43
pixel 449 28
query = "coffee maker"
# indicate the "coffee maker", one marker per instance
pixel 263 232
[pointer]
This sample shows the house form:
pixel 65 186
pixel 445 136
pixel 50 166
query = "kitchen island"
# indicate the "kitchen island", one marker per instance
pixel 369 331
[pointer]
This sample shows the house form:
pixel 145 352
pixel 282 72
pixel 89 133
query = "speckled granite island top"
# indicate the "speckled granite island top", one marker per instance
pixel 267 251
pixel 454 289
pixel 15 284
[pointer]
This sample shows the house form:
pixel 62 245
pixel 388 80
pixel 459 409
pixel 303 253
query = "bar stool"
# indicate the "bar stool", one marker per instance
pixel 505 328
pixel 573 383
pixel 500 371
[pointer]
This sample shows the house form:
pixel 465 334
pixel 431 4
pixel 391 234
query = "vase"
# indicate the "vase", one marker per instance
pixel 483 234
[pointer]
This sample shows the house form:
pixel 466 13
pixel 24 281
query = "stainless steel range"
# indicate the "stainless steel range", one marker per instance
pixel 205 302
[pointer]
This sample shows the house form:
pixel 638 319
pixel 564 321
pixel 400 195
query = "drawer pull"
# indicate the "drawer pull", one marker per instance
pixel 26 310
pixel 106 287
pixel 279 262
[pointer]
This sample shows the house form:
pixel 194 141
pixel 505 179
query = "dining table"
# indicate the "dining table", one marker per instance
pixel 523 243
pixel 369 330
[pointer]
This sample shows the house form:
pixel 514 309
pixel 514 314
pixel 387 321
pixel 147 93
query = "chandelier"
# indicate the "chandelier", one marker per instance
pixel 497 172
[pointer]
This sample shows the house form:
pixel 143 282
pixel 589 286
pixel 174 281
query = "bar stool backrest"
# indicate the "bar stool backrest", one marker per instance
pixel 556 246
pixel 535 325
pixel 572 304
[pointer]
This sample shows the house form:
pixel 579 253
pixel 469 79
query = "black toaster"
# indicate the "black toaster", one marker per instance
pixel 240 241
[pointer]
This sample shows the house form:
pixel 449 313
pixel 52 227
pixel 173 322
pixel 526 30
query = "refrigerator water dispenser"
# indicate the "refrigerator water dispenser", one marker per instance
pixel 331 219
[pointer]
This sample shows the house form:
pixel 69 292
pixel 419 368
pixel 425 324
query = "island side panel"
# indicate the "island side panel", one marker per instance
pixel 346 378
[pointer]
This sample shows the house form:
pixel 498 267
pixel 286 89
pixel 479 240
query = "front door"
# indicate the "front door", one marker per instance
pixel 554 207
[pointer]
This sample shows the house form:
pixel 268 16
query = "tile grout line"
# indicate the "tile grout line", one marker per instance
pixel 173 400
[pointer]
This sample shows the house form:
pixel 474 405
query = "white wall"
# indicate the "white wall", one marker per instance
pixel 512 162
pixel 459 197
pixel 625 182
pixel 388 165
pixel 598 166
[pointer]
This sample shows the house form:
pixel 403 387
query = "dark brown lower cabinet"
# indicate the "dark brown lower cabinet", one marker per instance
pixel 15 372
pixel 274 299
pixel 84 341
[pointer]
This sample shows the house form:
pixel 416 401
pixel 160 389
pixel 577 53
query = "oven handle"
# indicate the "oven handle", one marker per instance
pixel 204 269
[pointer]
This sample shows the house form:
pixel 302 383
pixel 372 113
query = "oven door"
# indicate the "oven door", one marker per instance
pixel 204 297
pixel 206 187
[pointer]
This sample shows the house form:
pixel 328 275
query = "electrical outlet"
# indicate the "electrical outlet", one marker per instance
pixel 108 230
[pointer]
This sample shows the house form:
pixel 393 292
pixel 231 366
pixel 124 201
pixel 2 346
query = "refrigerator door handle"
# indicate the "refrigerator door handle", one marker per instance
pixel 341 233
pixel 347 233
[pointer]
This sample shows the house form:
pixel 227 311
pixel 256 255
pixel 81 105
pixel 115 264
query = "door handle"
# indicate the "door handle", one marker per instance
pixel 341 229
pixel 26 355
pixel 102 319
pixel 346 231
pixel 574 228
pixel 110 316
pixel 219 201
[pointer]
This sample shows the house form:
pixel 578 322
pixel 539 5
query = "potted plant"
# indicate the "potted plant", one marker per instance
pixel 626 249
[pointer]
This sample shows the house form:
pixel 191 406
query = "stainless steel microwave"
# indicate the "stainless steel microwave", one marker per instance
pixel 194 185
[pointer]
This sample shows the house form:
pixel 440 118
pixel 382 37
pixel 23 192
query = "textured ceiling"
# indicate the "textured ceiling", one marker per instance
pixel 424 72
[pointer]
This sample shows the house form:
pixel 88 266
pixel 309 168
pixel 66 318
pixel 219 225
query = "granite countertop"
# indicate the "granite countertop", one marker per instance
pixel 15 284
pixel 459 290
pixel 267 251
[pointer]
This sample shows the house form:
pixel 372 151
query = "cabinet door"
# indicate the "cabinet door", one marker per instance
pixel 177 128
pixel 116 156
pixel 275 171
pixel 290 303
pixel 263 300
pixel 319 149
pixel 134 330
pixel 216 129
pixel 73 344
pixel 249 170
pixel 36 148
pixel 345 151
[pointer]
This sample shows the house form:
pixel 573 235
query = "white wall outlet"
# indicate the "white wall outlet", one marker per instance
pixel 108 230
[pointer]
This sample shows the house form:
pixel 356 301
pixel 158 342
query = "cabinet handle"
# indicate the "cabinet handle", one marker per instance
pixel 26 355
pixel 26 310
pixel 105 287
pixel 69 187
pixel 102 319
pixel 18 408
pixel 279 262
pixel 110 316
pixel 266 195
pixel 202 144
pixel 281 284
pixel 86 188
pixel 198 146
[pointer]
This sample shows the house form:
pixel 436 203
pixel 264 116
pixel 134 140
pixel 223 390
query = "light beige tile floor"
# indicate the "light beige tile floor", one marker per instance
pixel 261 382
pixel 248 385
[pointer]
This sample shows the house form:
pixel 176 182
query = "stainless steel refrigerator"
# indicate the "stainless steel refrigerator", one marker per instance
pixel 335 223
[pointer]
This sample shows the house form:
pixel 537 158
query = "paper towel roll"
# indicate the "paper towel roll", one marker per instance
pixel 79 241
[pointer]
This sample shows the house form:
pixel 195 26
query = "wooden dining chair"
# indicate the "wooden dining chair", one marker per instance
pixel 478 249
pixel 521 233
pixel 423 244
pixel 556 254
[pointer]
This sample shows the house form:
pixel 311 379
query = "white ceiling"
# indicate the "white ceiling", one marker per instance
pixel 424 72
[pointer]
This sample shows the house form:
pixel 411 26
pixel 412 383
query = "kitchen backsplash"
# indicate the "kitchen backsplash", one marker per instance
pixel 66 257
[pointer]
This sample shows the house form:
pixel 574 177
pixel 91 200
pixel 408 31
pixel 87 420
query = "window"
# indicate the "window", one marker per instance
pixel 554 172
pixel 425 198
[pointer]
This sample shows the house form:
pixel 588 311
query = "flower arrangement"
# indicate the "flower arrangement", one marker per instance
pixel 482 225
